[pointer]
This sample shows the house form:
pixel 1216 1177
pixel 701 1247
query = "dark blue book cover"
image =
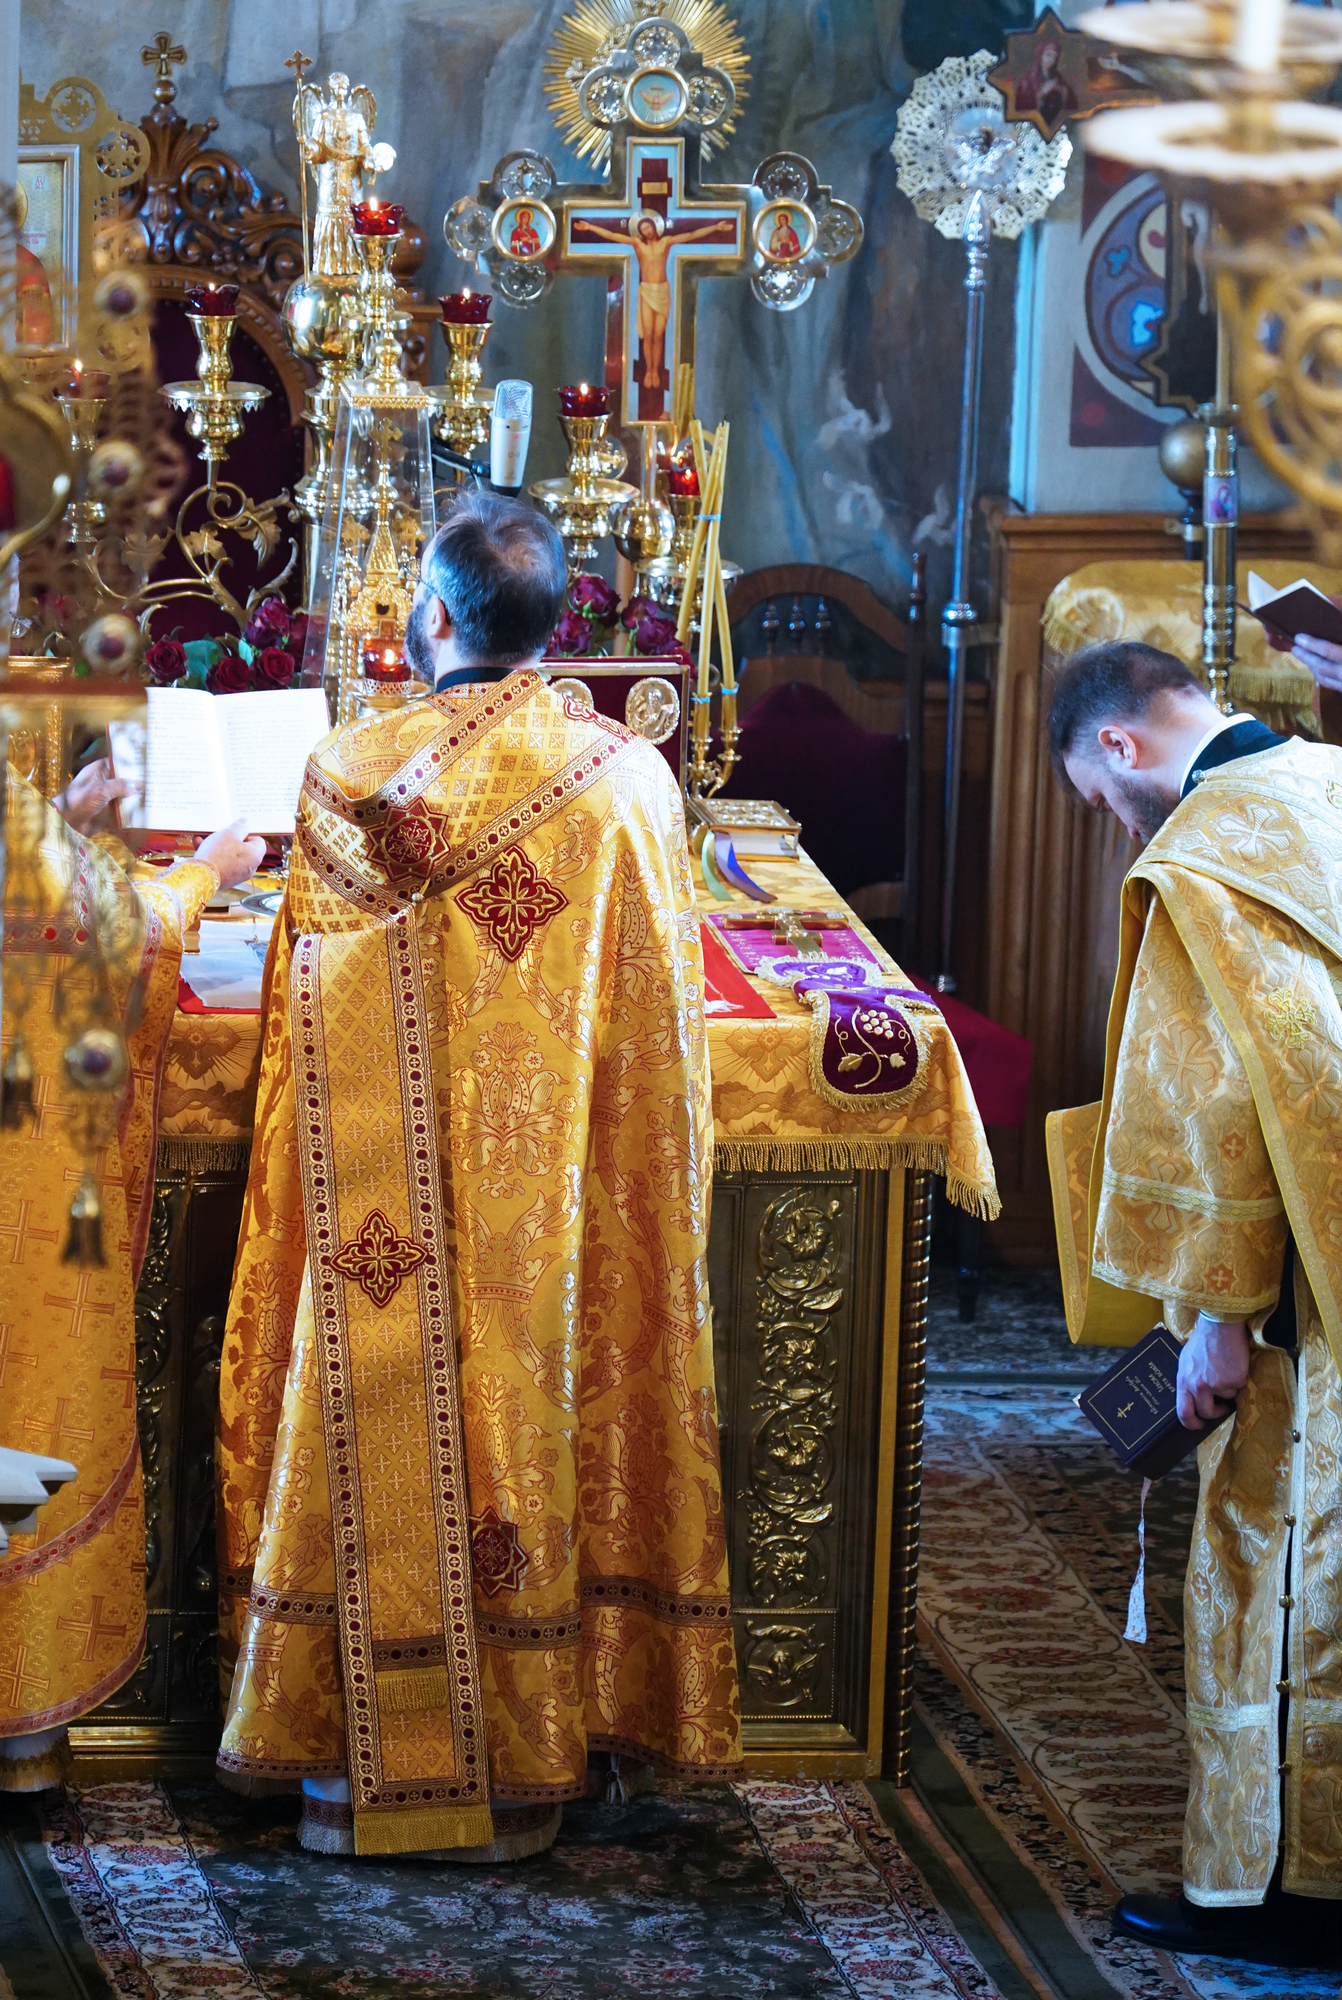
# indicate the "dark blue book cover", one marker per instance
pixel 1132 1406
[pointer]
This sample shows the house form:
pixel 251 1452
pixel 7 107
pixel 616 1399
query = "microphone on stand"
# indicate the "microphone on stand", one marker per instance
pixel 509 436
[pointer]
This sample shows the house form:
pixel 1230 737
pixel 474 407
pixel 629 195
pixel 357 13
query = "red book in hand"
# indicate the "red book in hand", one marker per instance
pixel 1300 607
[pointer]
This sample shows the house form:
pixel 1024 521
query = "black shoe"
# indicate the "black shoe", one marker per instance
pixel 1284 1931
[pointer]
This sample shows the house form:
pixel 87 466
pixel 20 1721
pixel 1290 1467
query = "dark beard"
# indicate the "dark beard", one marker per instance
pixel 1150 805
pixel 417 643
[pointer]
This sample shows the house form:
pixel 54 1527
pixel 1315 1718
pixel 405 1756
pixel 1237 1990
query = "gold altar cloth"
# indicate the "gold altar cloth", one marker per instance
pixel 520 867
pixel 1218 1128
pixel 766 1116
pixel 1161 603
pixel 72 1595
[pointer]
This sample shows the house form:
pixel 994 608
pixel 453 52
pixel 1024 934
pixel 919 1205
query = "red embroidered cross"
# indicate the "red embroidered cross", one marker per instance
pixel 412 842
pixel 377 1259
pixel 512 902
pixel 497 1555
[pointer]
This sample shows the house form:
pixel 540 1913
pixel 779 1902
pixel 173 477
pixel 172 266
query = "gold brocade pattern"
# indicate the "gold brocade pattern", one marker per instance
pixel 72 1608
pixel 767 1114
pixel 1223 1092
pixel 1160 603
pixel 574 1128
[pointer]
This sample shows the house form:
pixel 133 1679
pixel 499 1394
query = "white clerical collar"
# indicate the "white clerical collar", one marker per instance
pixel 1225 722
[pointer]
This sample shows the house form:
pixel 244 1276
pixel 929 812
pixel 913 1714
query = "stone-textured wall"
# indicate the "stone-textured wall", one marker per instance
pixel 844 414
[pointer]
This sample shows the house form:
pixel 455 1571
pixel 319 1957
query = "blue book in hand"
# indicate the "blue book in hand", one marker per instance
pixel 1132 1407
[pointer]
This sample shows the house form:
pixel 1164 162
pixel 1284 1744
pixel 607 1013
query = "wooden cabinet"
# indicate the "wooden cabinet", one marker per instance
pixel 1054 868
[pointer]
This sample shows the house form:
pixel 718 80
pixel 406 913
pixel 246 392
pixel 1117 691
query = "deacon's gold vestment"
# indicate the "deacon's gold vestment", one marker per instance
pixel 1218 1130
pixel 72 1595
pixel 470 1511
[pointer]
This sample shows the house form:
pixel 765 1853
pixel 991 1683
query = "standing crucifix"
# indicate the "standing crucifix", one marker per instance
pixel 651 228
pixel 655 238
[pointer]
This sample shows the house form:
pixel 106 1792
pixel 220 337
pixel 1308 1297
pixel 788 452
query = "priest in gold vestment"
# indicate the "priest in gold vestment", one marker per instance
pixel 72 1594
pixel 1206 1190
pixel 470 1508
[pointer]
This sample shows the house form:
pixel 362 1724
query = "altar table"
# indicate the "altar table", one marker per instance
pixel 818 1258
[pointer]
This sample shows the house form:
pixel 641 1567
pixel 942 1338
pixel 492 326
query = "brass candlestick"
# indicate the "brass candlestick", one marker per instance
pixel 384 320
pixel 321 316
pixel 582 502
pixel 464 407
pixel 215 403
pixel 86 516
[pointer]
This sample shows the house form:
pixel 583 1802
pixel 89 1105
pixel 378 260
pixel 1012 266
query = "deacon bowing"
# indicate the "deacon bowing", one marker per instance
pixel 470 1508
pixel 72 1594
pixel 1215 1199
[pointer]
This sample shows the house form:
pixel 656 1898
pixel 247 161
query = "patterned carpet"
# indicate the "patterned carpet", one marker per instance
pixel 759 1890
pixel 1048 1776
pixel 1068 1740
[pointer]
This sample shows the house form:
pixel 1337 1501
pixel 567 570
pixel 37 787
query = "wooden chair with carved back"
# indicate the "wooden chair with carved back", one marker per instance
pixel 831 711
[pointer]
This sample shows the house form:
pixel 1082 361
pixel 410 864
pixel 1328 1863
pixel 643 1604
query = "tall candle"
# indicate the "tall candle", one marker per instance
pixel 1258 34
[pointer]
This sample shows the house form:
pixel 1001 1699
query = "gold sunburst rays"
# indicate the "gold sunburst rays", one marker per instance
pixel 598 27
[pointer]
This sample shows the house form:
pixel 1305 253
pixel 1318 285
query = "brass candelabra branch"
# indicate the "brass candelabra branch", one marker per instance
pixel 214 405
pixel 255 521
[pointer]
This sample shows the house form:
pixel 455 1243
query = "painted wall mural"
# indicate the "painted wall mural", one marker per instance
pixel 845 413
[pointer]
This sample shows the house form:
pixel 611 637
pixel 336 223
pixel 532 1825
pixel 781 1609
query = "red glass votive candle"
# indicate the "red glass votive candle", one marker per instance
pixel 83 381
pixel 583 399
pixel 382 660
pixel 376 218
pixel 466 308
pixel 211 301
pixel 683 479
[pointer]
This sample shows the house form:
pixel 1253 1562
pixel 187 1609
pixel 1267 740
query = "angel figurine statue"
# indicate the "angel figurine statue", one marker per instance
pixel 334 137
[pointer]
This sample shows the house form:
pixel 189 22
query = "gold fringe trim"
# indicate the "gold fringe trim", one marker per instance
pixel 1286 681
pixel 413 1831
pixel 203 1156
pixel 767 1154
pixel 985 1203
pixel 407 1690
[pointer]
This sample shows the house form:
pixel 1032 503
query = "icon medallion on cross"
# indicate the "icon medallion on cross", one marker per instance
pixel 652 228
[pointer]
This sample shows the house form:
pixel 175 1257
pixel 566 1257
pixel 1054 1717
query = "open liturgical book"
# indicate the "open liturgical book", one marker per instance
pixel 203 760
pixel 1300 607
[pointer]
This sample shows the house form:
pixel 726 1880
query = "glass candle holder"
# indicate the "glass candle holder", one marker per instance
pixel 212 300
pixel 383 660
pixel 376 218
pixel 466 308
pixel 584 399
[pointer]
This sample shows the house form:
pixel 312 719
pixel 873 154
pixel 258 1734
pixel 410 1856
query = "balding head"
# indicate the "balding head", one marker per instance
pixel 491 588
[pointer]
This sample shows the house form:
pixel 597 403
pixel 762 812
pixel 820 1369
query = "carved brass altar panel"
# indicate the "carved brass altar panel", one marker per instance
pixel 170 1705
pixel 806 1273
pixel 797 1267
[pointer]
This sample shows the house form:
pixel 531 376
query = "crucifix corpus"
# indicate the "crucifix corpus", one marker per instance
pixel 654 106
